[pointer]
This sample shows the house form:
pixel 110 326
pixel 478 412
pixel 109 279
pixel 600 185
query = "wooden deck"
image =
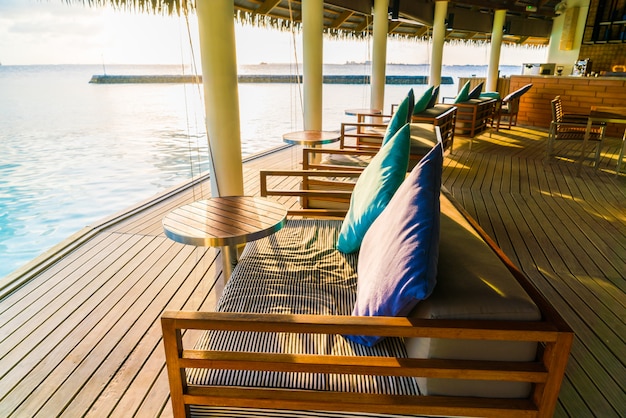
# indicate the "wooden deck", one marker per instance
pixel 79 330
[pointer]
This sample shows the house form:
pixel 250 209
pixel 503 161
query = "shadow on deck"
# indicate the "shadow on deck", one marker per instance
pixel 79 332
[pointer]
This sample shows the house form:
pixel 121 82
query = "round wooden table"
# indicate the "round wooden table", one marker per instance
pixel 361 114
pixel 613 114
pixel 225 222
pixel 311 137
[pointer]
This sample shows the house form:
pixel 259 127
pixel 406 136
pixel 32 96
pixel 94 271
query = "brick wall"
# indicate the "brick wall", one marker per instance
pixel 578 95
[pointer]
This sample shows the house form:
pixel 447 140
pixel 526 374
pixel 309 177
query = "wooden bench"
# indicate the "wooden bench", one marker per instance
pixel 473 116
pixel 442 116
pixel 364 141
pixel 462 351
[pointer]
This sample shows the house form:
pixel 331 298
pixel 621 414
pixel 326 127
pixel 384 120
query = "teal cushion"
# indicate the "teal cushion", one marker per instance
pixel 463 95
pixel 374 189
pixel 400 117
pixel 433 99
pixel 422 103
pixel 489 95
pixel 397 264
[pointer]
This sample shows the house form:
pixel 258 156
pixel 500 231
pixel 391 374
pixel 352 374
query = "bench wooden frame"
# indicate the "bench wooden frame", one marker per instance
pixel 545 372
pixel 361 132
pixel 446 121
pixel 473 117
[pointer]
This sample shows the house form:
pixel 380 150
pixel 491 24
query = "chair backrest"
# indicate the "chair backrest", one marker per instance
pixel 557 109
pixel 517 93
pixel 513 105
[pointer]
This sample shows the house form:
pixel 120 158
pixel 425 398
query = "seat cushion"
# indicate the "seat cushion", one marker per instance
pixel 472 284
pixel 296 271
pixel 374 189
pixel 398 259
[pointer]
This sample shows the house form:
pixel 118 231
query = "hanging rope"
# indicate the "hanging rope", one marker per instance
pixel 194 69
pixel 296 78
pixel 368 59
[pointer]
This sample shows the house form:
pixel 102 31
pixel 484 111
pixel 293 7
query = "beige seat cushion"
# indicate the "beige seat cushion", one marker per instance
pixel 472 283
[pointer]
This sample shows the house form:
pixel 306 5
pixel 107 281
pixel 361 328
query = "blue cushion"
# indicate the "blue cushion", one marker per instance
pixel 422 103
pixel 397 264
pixel 433 99
pixel 400 117
pixel 463 95
pixel 475 93
pixel 374 189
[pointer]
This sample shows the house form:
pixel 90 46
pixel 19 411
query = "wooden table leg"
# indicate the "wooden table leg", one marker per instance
pixel 229 260
pixel 622 151
pixel 582 151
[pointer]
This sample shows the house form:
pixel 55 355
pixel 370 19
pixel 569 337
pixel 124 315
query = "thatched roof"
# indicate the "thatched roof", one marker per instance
pixel 467 19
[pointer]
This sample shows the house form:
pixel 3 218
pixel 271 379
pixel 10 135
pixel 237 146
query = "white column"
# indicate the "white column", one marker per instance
pixel 496 45
pixel 216 27
pixel 439 35
pixel 312 51
pixel 379 54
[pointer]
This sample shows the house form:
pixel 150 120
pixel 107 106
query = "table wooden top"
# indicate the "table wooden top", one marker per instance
pixel 363 112
pixel 222 221
pixel 610 114
pixel 311 137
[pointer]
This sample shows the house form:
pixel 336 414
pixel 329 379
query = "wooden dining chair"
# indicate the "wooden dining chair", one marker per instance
pixel 571 127
pixel 508 108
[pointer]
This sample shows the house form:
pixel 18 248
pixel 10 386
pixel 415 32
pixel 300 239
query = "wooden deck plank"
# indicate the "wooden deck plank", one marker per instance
pixel 16 304
pixel 88 325
pixel 146 361
pixel 82 338
pixel 42 312
pixel 564 240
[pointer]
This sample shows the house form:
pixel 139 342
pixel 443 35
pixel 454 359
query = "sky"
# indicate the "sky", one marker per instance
pixel 53 32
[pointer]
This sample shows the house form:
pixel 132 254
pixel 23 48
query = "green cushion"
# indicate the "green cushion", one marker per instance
pixel 400 117
pixel 374 189
pixel 463 95
pixel 422 103
pixel 489 95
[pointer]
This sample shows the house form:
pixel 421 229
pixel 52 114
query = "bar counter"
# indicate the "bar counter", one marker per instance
pixel 578 95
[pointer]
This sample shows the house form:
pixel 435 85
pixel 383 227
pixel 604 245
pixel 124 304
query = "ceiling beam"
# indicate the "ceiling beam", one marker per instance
pixel 421 31
pixel 363 26
pixel 393 25
pixel 509 5
pixel 266 7
pixel 345 15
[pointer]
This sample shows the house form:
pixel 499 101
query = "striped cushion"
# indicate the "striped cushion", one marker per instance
pixel 297 271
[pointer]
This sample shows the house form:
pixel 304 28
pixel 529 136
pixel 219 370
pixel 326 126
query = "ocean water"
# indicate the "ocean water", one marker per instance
pixel 72 153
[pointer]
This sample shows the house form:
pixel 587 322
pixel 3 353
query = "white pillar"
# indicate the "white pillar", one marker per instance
pixel 379 54
pixel 439 35
pixel 496 45
pixel 312 51
pixel 216 27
